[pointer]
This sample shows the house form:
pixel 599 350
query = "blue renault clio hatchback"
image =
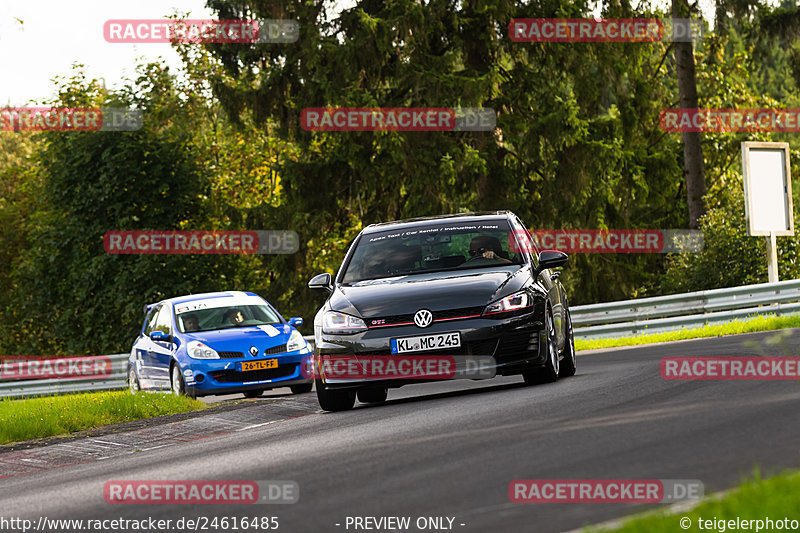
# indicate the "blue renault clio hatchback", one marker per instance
pixel 218 343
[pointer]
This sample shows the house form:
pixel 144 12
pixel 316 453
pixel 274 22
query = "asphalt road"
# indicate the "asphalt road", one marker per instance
pixel 451 449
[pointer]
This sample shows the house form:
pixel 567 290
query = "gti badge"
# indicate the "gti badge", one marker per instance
pixel 253 351
pixel 423 318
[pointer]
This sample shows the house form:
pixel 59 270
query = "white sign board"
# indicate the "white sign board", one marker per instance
pixel 767 188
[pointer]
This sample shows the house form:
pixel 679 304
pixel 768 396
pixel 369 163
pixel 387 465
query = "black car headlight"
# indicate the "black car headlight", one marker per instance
pixel 336 323
pixel 519 302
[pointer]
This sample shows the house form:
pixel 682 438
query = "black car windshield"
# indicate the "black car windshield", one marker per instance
pixel 233 316
pixel 433 248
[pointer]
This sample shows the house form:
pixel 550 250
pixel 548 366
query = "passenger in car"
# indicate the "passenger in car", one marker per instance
pixel 403 259
pixel 488 247
pixel 190 323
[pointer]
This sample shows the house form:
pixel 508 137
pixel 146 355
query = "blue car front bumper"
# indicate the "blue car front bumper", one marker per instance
pixel 225 376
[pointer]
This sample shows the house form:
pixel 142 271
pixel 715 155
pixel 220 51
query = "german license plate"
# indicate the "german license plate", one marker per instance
pixel 259 365
pixel 424 343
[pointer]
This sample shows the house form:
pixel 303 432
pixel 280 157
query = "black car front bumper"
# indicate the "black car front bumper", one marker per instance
pixel 512 342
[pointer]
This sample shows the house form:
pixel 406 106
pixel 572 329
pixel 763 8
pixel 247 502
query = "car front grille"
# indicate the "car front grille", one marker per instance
pixel 455 314
pixel 233 376
pixel 238 355
pixel 275 349
pixel 438 316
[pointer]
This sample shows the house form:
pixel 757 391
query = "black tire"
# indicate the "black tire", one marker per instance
pixel 569 363
pixel 373 395
pixel 253 393
pixel 549 372
pixel 335 400
pixel 302 389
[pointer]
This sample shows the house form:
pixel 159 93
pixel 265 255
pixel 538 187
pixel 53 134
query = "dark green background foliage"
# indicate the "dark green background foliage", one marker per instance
pixel 577 145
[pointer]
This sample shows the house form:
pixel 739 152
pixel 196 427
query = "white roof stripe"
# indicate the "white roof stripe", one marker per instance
pixel 224 301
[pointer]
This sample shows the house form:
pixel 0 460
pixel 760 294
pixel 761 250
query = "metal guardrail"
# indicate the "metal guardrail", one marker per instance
pixel 117 379
pixel 688 310
pixel 613 319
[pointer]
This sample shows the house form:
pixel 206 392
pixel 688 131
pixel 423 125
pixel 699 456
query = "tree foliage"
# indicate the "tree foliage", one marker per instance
pixel 577 145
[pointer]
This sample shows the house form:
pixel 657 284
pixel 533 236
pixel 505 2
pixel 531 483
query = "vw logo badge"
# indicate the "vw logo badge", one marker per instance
pixel 423 318
pixel 253 351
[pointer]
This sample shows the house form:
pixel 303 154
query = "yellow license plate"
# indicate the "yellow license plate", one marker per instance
pixel 259 365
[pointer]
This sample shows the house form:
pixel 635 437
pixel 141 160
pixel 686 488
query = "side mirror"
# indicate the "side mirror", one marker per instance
pixel 321 281
pixel 551 259
pixel 160 336
pixel 295 321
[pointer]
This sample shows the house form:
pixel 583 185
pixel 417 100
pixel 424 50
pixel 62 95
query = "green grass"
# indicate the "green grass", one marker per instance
pixel 759 323
pixel 58 415
pixel 777 497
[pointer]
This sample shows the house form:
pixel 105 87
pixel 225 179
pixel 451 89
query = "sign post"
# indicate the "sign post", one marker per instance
pixel 768 195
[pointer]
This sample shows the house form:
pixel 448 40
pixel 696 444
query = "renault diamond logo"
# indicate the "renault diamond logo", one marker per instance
pixel 253 351
pixel 423 318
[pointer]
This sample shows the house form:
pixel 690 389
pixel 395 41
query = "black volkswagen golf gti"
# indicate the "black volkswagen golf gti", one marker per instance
pixel 466 285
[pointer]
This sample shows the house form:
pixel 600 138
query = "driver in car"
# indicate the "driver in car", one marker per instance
pixel 234 317
pixel 191 323
pixel 487 247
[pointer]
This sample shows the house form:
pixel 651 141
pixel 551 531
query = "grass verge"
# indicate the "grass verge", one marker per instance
pixel 756 499
pixel 46 416
pixel 759 323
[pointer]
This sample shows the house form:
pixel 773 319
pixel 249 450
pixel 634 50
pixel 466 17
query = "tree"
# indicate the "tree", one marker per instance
pixel 693 166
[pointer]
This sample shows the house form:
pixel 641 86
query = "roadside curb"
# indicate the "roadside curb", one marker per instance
pixel 132 425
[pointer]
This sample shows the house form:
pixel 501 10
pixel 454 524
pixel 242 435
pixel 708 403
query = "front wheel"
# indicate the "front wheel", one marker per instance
pixel 178 385
pixel 569 364
pixel 133 381
pixel 549 372
pixel 253 393
pixel 335 400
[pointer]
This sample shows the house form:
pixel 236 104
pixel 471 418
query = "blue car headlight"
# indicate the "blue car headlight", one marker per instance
pixel 198 350
pixel 336 323
pixel 296 342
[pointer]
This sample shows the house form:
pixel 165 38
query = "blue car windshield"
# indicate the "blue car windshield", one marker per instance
pixel 432 248
pixel 235 316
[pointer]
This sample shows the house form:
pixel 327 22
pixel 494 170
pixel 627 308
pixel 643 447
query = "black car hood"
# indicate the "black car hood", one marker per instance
pixel 435 291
